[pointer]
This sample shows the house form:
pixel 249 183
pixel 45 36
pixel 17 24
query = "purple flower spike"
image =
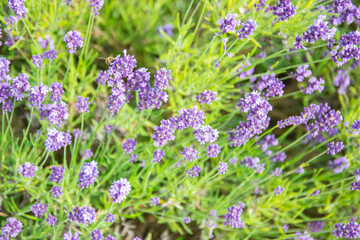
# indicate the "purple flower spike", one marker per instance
pixel 73 40
pixel 194 171
pixel 119 190
pixel 97 234
pixel 51 220
pixel 88 174
pixel 206 97
pixel 315 192
pixel 68 235
pixel 20 85
pixel 18 8
pixel 56 140
pixel 77 133
pixel 129 145
pixel 247 29
pixel 228 24
pixel 110 218
pixel 190 154
pixel 39 209
pixel 342 81
pixel 56 90
pixel 12 227
pixel 233 217
pixel 82 104
pixel 283 10
pixel 154 201
pixel 278 190
pixel 83 215
pixel 213 150
pixel 187 220
pixel 347 230
pixel 96 6
pixel 57 191
pixel 37 60
pixel 339 164
pixel 334 147
pixel 27 170
pixel 157 156
pixel 110 237
pixel 162 78
pixel 37 95
pixel 86 154
pixel 223 167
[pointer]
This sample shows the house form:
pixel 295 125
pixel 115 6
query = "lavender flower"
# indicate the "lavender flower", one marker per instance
pixel 316 226
pixel 285 227
pixel 37 60
pixel 137 238
pixel 56 89
pixel 278 190
pixel 133 158
pixel 233 217
pixel 187 220
pixel 82 104
pixel 339 164
pixel 119 190
pixel 129 145
pixel 157 156
pixel 228 24
pixel 206 97
pixel 347 230
pixel 27 170
pixel 154 201
pixel 37 95
pixel 8 106
pixel 194 171
pixel 334 147
pixel 283 10
pixel 12 227
pixel 205 134
pixel 302 72
pixel 299 170
pixel 77 133
pixel 260 5
pixel 302 236
pixel 223 167
pixel 20 85
pixel 51 54
pixel 56 139
pixel 247 29
pixel 96 234
pixel 110 218
pixel 39 209
pixel 88 174
pixel 51 220
pixel 163 133
pixel 314 85
pixel 342 81
pixel 18 8
pixel 86 154
pixel 102 77
pixel 73 40
pixel 356 125
pixel 57 174
pixel 315 192
pixel 110 237
pixel 96 6
pixel 55 112
pixel 69 236
pixel 213 150
pixel 279 157
pixel 269 140
pixel 190 154
pixel 277 172
pixel 57 191
pixel 83 215
pixel 108 129
pixel 167 28
pixel 162 78
pixel 253 163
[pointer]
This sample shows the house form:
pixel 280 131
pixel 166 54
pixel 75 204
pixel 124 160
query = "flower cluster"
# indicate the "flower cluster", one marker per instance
pixel 27 170
pixel 283 10
pixel 82 104
pixel 194 171
pixel 347 48
pixel 39 209
pixel 278 190
pixel 253 163
pixel 129 145
pixel 37 60
pixel 343 11
pixel 157 156
pixel 233 217
pixel 96 6
pixel 88 174
pixel 57 174
pixel 154 201
pixel 334 147
pixel 274 87
pixel 347 230
pixel 119 190
pixel 213 150
pixel 11 228
pixel 73 40
pixel 339 164
pixel 342 81
pixel 56 139
pixel 18 8
pixel 83 215
pixel 247 29
pixel 190 154
pixel 222 168
pixel 266 142
pixel 51 220
pixel 206 97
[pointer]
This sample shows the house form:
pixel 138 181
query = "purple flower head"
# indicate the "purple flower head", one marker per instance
pixel 110 237
pixel 269 140
pixel 233 217
pixel 314 85
pixel 122 67
pixel 278 190
pixel 37 60
pixel 315 192
pixel 154 201
pixel 253 163
pixel 44 43
pixel 51 54
pixel 302 72
pixel 206 97
pixel 56 139
pixel 213 150
pixel 247 29
pixel 39 209
pixel 283 10
pixel 73 40
pixel 12 227
pixel 20 85
pixel 5 89
pixel 96 6
pixel 157 156
pixel 56 89
pixel 37 95
pixel 189 118
pixel 167 28
pixel 163 133
pixel 86 154
pixel 133 158
pixel 57 174
pixel 55 112
pixel 102 77
pixel 57 191
pixel 88 174
pixel 190 154
pixel 339 164
pixel 119 190
pixel 279 157
pixel 232 160
pixel 83 215
pixel 347 230
pixel 51 220
pixel 357 174
pixel 110 218
pixel 275 88
pixel 285 227
pixel 129 145
pixel 260 5
pixel 194 171
pixel 82 104
pixel 334 147
pixel 205 134
pixel 77 133
pixel 302 236
pixel 97 234
pixel 18 8
pixel 27 170
pixel 277 172
pixel 8 106
pixel 187 220
pixel 68 235
pixel 108 129
pixel 342 81
pixel 223 167
pixel 316 226
pixel 300 170
pixel 356 125
pixel 228 24
pixel 162 78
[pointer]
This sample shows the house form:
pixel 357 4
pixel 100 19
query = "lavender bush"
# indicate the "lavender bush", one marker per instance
pixel 211 120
